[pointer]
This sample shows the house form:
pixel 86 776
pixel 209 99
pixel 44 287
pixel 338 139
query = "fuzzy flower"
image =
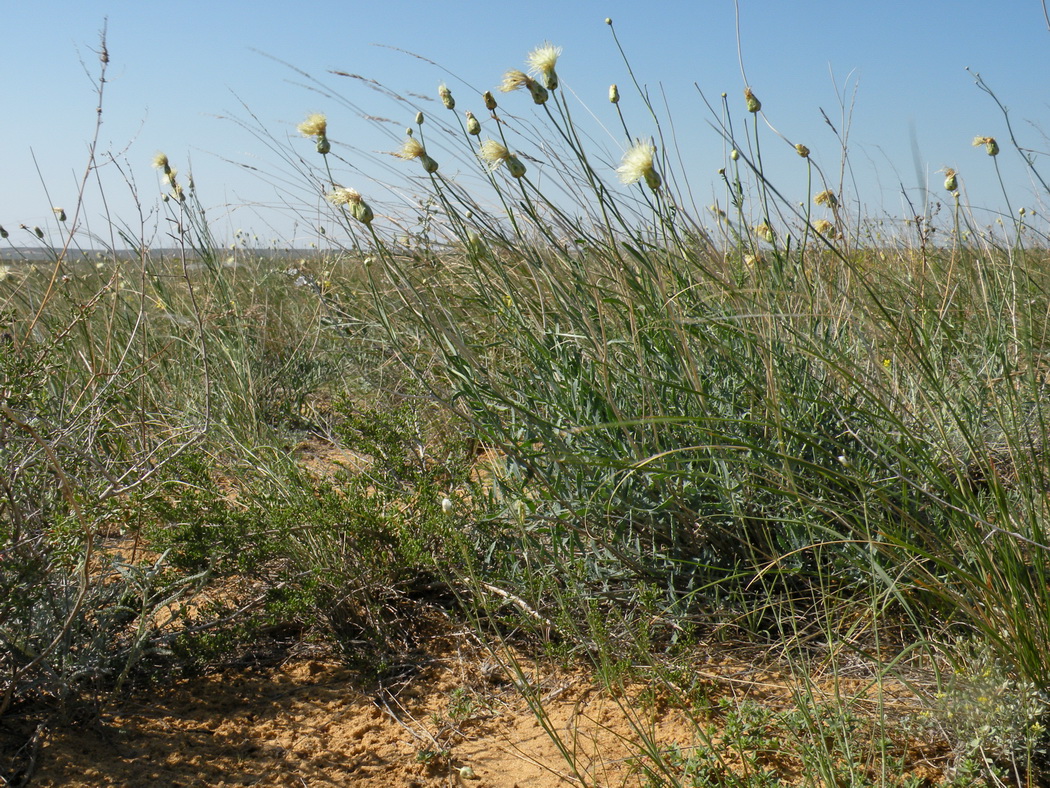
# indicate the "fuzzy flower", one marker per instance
pixel 826 197
pixel 614 94
pixel 473 125
pixel 413 149
pixel 989 143
pixel 446 96
pixel 541 62
pixel 753 104
pixel 160 161
pixel 354 203
pixel 514 80
pixel 802 150
pixel 951 182
pixel 765 232
pixel 637 163
pixel 494 154
pixel 825 228
pixel 315 125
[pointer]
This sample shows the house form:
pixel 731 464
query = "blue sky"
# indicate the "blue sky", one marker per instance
pixel 181 76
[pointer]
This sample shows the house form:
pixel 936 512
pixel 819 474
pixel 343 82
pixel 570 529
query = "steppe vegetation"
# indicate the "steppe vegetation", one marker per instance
pixel 557 403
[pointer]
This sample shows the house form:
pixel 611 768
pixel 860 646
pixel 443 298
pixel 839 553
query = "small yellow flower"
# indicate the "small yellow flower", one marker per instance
pixel 315 125
pixel 753 104
pixel 637 163
pixel 990 145
pixel 826 197
pixel 541 62
pixel 446 96
pixel 802 150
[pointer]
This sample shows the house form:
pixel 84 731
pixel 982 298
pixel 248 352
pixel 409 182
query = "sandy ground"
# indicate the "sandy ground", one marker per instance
pixel 311 722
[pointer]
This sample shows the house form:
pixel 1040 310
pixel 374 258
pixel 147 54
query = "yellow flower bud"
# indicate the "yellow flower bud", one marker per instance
pixel 473 126
pixel 614 94
pixel 951 183
pixel 489 99
pixel 802 150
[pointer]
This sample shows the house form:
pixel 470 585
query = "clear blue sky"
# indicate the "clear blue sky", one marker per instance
pixel 179 72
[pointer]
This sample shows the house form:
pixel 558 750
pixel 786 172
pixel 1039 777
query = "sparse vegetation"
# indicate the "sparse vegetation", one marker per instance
pixel 569 409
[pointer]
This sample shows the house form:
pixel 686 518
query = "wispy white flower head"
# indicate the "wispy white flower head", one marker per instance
pixel 541 62
pixel 315 125
pixel 637 163
pixel 494 154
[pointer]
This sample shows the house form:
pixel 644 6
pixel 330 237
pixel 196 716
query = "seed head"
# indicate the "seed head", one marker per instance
pixel 541 62
pixel 802 150
pixel 489 99
pixel 473 125
pixel 608 20
pixel 614 94
pixel 323 145
pixel 3 233
pixel 419 118
pixel 315 125
pixel 60 214
pixel 39 233
pixel 734 154
pixel 354 202
pixel 753 104
pixel 446 96
pixel 826 197
pixel 637 163
pixel 990 145
pixel 951 182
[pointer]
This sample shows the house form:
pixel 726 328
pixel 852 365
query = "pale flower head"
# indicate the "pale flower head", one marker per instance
pixel 411 149
pixel 493 153
pixel 826 197
pixel 753 104
pixel 541 62
pixel 514 80
pixel 446 96
pixel 354 203
pixel 765 232
pixel 160 161
pixel 990 145
pixel 315 125
pixel 825 228
pixel 637 163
